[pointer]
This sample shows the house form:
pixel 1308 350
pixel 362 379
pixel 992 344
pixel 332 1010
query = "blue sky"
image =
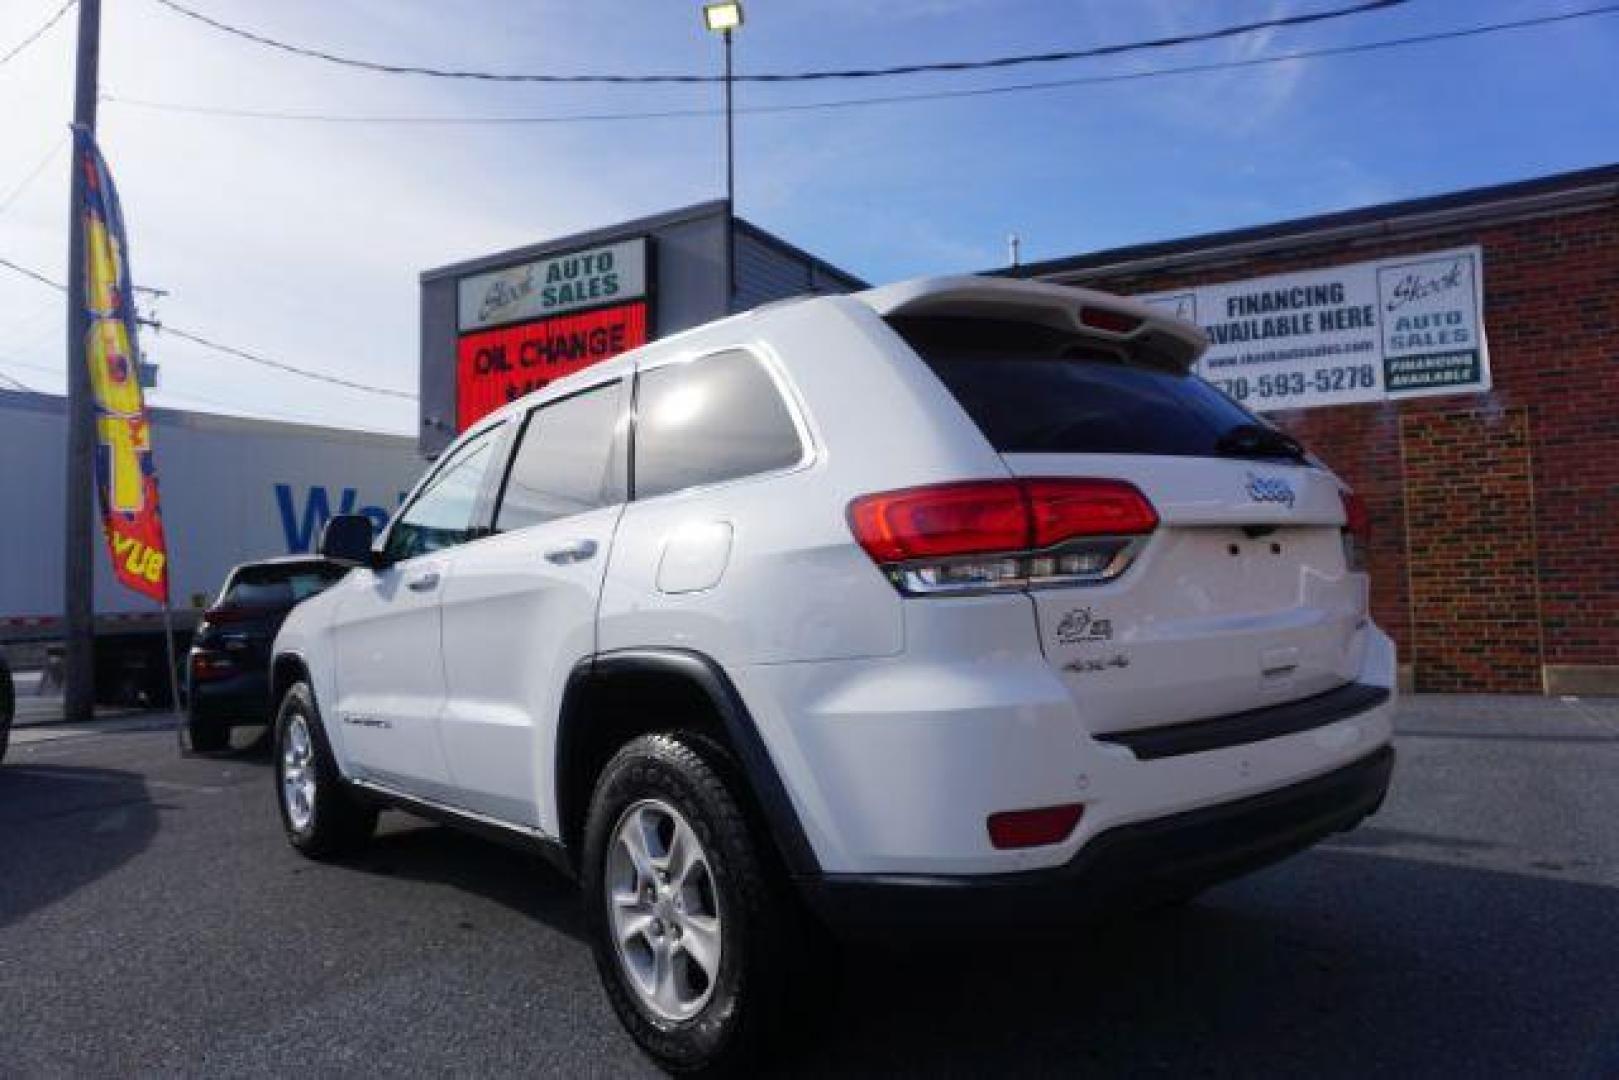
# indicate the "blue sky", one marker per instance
pixel 303 241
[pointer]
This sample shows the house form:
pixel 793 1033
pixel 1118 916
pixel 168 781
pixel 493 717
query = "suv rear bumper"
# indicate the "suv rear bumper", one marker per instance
pixel 1126 865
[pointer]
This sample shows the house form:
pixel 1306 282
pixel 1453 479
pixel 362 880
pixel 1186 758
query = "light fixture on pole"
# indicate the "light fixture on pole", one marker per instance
pixel 722 18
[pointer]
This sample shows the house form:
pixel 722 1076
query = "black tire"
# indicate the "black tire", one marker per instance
pixel 342 820
pixel 206 736
pixel 763 946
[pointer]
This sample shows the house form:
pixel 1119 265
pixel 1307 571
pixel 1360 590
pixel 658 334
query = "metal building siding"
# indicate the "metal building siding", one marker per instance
pixel 436 410
pixel 765 273
pixel 689 282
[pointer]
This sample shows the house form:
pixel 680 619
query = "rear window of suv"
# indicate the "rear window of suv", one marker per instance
pixel 278 586
pixel 1034 389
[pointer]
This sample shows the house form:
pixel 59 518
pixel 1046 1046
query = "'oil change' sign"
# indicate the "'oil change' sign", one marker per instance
pixel 1394 328
pixel 594 277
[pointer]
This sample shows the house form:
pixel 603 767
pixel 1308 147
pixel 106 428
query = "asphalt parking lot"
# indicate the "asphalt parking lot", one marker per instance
pixel 153 920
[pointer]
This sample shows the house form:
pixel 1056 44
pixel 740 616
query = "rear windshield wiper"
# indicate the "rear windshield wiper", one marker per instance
pixel 1257 440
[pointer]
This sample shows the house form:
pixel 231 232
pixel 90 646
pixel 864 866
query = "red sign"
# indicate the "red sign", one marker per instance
pixel 494 367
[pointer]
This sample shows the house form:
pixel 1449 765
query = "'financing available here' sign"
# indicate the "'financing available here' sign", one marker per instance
pixel 1394 328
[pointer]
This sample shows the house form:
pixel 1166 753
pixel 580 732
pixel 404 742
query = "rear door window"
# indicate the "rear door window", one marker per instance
pixel 569 459
pixel 276 586
pixel 1038 390
pixel 717 418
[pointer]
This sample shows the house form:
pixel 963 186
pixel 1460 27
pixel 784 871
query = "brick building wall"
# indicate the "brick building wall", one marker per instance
pixel 1495 517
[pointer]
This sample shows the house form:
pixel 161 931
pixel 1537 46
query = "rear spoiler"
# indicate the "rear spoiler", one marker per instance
pixel 1150 334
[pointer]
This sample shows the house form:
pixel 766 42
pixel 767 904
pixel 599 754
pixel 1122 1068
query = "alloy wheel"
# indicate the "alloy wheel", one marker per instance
pixel 663 910
pixel 298 774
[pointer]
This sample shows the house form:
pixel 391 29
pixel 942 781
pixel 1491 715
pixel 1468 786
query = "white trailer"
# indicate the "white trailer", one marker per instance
pixel 233 489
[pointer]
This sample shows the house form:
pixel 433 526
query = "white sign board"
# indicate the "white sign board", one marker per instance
pixel 594 277
pixel 1370 331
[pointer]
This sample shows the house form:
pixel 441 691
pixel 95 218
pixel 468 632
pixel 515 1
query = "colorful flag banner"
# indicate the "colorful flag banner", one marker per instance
pixel 126 477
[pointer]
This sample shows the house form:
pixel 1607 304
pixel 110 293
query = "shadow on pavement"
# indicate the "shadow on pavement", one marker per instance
pixel 96 820
pixel 1337 963
pixel 1343 961
pixel 439 855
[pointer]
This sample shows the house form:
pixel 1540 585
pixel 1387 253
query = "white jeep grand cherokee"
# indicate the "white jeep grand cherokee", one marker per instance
pixel 956 600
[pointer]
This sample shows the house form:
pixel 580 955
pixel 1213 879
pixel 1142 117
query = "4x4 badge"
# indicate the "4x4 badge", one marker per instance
pixel 1088 665
pixel 1270 489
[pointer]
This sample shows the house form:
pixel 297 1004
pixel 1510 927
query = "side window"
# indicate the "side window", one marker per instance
pixel 441 515
pixel 570 459
pixel 716 418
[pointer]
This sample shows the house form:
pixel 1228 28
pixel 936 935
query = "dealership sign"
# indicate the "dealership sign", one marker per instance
pixel 524 327
pixel 593 277
pixel 494 367
pixel 1371 331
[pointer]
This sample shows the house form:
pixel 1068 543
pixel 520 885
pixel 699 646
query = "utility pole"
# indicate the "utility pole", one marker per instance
pixel 78 586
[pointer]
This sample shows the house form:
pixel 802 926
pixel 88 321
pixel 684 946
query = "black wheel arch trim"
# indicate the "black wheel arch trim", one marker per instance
pixel 702 671
pixel 277 686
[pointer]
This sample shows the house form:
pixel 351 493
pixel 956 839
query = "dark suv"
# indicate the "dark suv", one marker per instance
pixel 227 679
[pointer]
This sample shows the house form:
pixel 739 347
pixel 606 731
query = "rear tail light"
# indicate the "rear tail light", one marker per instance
pixel 206 666
pixel 1033 828
pixel 1002 534
pixel 1357 530
pixel 1114 322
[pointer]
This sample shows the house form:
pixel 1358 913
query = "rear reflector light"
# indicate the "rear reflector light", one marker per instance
pixel 1357 530
pixel 1033 828
pixel 996 534
pixel 1114 322
pixel 207 665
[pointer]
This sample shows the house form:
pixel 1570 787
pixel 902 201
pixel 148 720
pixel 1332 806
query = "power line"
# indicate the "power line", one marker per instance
pixel 566 118
pixel 41 278
pixel 22 185
pixel 37 34
pixel 231 350
pixel 1018 60
pixel 887 99
pixel 242 354
pixel 168 394
pixel 259 411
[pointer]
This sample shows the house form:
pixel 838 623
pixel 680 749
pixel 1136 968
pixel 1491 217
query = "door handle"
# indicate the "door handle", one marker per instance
pixel 573 551
pixel 423 582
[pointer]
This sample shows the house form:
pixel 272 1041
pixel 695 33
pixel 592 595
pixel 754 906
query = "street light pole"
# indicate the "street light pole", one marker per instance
pixel 722 17
pixel 78 583
pixel 730 186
